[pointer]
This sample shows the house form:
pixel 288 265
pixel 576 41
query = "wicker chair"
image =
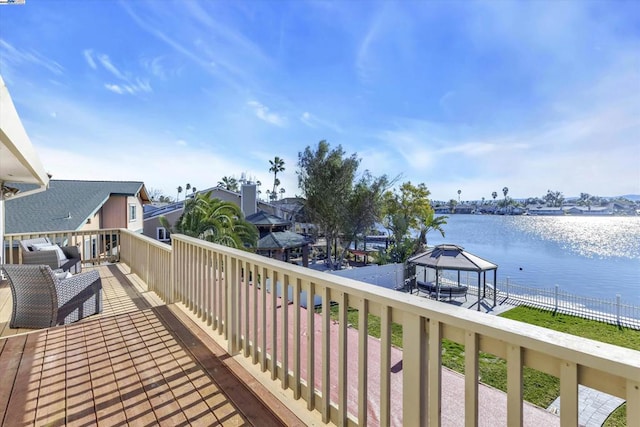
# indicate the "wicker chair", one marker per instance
pixel 30 256
pixel 41 299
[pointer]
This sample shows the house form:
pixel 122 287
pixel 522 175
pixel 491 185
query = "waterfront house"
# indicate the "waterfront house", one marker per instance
pixel 544 210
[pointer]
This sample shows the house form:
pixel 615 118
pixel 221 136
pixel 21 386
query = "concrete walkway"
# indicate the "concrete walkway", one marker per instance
pixel 594 406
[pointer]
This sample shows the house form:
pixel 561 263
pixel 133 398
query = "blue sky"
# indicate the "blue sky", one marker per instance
pixel 458 95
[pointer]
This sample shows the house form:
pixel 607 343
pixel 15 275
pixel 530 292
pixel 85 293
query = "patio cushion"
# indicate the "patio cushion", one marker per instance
pixel 43 247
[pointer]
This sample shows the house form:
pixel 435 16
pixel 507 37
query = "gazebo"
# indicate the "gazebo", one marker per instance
pixel 453 257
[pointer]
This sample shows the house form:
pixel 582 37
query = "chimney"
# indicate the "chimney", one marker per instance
pixel 248 199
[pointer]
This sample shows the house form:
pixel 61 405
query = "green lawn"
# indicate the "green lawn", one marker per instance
pixel 539 388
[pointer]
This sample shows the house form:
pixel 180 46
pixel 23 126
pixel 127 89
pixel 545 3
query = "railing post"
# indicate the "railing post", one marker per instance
pixel 618 309
pixel 556 298
pixel 507 287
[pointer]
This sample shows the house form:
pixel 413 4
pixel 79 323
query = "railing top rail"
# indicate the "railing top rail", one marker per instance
pixel 147 239
pixel 595 354
pixel 31 233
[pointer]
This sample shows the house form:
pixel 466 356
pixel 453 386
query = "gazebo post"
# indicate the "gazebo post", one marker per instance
pixel 495 286
pixel 478 291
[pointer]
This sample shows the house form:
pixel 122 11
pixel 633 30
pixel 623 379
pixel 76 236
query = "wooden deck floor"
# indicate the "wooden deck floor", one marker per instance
pixel 138 363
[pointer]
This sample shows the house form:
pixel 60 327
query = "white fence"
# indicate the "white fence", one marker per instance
pixel 609 310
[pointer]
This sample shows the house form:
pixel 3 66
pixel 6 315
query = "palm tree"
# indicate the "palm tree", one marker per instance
pixel 494 195
pixel 277 165
pixel 216 221
pixel 228 183
pixel 459 191
pixel 274 193
pixel 193 190
pixel 430 223
pixel 187 187
pixel 179 191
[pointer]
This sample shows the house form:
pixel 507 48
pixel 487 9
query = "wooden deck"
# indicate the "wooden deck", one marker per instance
pixel 138 363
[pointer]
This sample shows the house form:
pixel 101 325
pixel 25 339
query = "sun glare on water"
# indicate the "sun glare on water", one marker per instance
pixel 592 237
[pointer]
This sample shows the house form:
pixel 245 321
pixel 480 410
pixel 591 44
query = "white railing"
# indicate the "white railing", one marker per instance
pixel 257 305
pixel 233 292
pixel 95 246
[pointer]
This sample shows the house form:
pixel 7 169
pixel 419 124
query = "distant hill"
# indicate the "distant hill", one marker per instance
pixel 633 197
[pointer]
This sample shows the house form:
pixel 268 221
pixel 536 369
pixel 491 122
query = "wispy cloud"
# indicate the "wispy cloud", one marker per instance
pixel 14 56
pixel 126 85
pixel 88 56
pixel 108 65
pixel 161 67
pixel 263 113
pixel 224 53
pixel 314 121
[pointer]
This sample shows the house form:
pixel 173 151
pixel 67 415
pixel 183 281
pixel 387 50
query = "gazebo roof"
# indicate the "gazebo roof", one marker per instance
pixel 282 240
pixel 261 218
pixel 451 257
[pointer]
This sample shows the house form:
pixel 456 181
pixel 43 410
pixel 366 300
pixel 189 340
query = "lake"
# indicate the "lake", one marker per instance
pixel 588 256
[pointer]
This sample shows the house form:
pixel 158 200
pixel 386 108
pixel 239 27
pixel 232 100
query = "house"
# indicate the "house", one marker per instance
pixel 78 206
pixel 247 201
pixel 544 210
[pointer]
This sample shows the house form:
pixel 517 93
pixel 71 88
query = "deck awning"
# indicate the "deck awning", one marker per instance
pixel 19 161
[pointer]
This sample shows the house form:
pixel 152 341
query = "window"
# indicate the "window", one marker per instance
pixel 162 234
pixel 132 213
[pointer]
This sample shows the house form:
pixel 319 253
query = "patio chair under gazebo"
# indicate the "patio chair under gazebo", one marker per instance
pixel 452 257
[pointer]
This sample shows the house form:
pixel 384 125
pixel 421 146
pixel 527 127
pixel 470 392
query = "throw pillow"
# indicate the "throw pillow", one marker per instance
pixel 38 246
pixel 63 275
pixel 61 255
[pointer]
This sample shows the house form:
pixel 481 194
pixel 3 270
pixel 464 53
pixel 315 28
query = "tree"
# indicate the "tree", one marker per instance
pixel 228 183
pixel 505 191
pixel 459 192
pixel 187 187
pixel 216 221
pixel 494 195
pixel 428 224
pixel 193 190
pixel 156 195
pixel 407 211
pixel 277 165
pixel 340 208
pixel 179 191
pixel 452 205
pixel 554 198
pixel 364 209
pixel 585 200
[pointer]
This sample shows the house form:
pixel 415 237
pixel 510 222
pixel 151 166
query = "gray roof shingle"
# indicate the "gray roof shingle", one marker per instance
pixel 66 205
